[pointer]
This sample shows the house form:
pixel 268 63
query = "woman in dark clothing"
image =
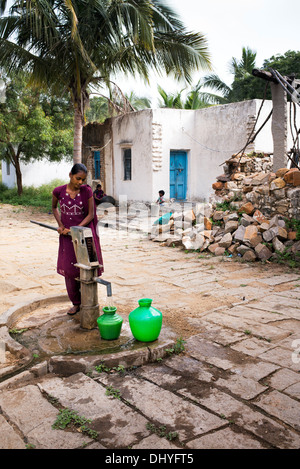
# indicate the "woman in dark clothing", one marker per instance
pixel 77 208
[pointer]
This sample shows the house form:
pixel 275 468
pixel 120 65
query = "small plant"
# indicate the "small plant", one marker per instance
pixel 293 225
pixel 178 347
pixel 161 431
pixel 103 368
pixel 115 393
pixel 29 446
pixel 17 331
pixel 70 418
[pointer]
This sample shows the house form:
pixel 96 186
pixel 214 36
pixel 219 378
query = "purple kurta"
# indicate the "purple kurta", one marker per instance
pixel 72 212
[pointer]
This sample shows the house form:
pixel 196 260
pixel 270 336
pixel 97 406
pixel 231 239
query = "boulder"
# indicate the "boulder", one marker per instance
pixel 248 208
pixel 263 252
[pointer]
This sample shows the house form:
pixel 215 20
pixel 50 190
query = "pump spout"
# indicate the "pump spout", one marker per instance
pixel 104 282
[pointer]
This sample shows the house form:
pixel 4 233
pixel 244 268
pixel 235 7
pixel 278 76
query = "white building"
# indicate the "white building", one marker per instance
pixel 178 151
pixel 37 173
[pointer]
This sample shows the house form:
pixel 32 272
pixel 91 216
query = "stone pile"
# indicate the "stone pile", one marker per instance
pixel 272 193
pixel 237 223
pixel 244 233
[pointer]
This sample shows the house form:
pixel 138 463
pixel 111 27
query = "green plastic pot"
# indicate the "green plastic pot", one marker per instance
pixel 145 321
pixel 110 323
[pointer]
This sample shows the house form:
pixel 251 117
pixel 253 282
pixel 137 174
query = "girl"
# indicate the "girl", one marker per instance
pixel 77 208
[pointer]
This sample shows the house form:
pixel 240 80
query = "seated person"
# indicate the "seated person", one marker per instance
pixel 98 194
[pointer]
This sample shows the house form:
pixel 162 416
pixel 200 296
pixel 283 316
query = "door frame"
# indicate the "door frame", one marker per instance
pixel 185 153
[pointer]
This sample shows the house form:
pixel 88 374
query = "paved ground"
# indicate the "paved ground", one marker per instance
pixel 236 385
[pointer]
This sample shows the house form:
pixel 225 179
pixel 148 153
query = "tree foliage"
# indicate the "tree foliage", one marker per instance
pixel 245 85
pixel 33 126
pixel 76 43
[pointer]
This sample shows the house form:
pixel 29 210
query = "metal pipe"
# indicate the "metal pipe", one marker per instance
pixel 106 283
pixel 50 227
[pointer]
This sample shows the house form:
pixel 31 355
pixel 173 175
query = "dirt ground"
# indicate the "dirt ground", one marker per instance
pixel 183 285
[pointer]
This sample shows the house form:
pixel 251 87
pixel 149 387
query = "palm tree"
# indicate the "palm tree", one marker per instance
pixel 170 100
pixel 197 99
pixel 70 44
pixel 240 69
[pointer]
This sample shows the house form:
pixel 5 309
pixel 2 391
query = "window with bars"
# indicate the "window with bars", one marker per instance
pixel 127 163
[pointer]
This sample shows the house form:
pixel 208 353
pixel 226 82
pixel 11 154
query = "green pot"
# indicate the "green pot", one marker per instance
pixel 110 323
pixel 145 321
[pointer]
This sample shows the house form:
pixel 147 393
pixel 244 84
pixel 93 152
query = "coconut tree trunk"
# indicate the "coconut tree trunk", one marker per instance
pixel 78 127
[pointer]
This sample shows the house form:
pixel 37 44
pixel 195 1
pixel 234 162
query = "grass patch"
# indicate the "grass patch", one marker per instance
pixel 38 197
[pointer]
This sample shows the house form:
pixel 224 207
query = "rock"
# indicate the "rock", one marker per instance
pixel 231 225
pixel 187 242
pixel 239 234
pixel 198 241
pixel 260 178
pixel 248 208
pixel 277 183
pixel 250 232
pixel 223 178
pixel 218 215
pixel 281 172
pixel 219 251
pixel 264 226
pixel 242 249
pixel 289 176
pixel 255 240
pixel 249 256
pixel 218 186
pixel 189 216
pixel 296 178
pixel 226 240
pixel 278 245
pixel 213 247
pixel 276 221
pixel 230 185
pixel 280 232
pixel 264 190
pixel 269 234
pixel 233 216
pixel 263 252
pixel 258 216
pixel 233 248
pixel 207 223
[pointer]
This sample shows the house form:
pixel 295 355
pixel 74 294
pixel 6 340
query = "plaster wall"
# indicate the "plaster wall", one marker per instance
pixel 38 173
pixel 133 131
pixel 209 136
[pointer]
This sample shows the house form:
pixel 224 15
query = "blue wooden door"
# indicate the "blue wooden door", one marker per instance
pixel 178 175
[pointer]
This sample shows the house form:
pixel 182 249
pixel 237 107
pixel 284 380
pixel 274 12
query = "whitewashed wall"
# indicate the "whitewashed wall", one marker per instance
pixel 38 173
pixel 133 131
pixel 209 136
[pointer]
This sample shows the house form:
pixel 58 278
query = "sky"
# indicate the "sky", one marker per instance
pixel 268 27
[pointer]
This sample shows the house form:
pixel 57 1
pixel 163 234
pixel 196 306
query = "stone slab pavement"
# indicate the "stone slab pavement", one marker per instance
pixel 236 384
